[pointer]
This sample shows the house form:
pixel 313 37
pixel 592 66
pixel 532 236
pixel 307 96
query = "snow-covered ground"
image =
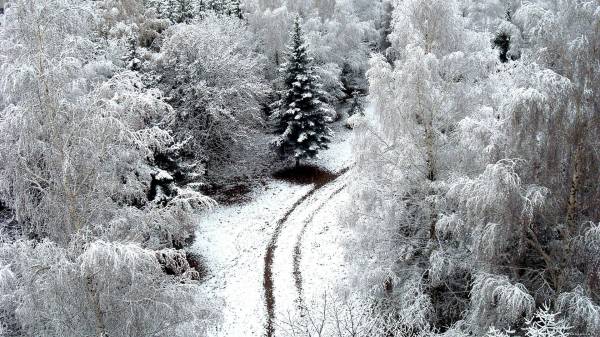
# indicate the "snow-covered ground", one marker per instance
pixel 298 233
pixel 234 239
pixel 339 155
pixel 323 266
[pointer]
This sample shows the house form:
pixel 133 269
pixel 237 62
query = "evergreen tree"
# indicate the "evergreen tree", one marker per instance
pixel 357 106
pixel 234 9
pixel 185 10
pixel 302 117
pixel 177 11
pixel 217 6
pixel 180 10
pixel 201 8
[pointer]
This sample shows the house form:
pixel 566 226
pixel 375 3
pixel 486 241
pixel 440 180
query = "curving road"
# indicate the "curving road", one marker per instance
pixel 282 277
pixel 294 230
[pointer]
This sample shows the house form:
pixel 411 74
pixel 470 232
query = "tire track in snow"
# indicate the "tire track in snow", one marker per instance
pixel 298 246
pixel 268 282
pixel 269 257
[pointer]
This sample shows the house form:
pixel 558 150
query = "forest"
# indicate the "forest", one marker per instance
pixel 300 168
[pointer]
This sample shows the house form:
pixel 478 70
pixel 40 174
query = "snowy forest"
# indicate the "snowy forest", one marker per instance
pixel 300 168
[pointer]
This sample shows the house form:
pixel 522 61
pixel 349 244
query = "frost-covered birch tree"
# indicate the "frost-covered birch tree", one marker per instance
pixel 404 157
pixel 79 135
pixel 509 225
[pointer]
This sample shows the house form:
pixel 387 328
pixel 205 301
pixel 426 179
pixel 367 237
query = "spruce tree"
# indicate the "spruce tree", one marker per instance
pixel 180 10
pixel 185 10
pixel 177 11
pixel 234 9
pixel 302 116
pixel 217 6
pixel 201 8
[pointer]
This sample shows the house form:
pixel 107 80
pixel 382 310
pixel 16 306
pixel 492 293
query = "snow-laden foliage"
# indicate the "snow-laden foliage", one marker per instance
pixel 543 324
pixel 498 187
pixel 581 311
pixel 495 301
pixel 213 77
pixel 341 34
pixel 271 26
pixel 493 332
pixel 129 24
pixel 432 25
pixel 8 286
pixel 99 289
pixel 546 324
pixel 346 316
pixel 332 87
pixel 178 11
pixel 474 198
pixel 302 116
pixel 63 136
pixel 402 156
pixel 80 133
pixel 476 168
pixel 339 40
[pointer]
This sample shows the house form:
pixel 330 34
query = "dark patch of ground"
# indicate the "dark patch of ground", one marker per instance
pixel 197 263
pixel 229 194
pixel 305 174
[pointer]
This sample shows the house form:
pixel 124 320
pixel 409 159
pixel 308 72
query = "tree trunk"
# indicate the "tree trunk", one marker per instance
pixel 431 176
pixel 576 180
pixel 95 302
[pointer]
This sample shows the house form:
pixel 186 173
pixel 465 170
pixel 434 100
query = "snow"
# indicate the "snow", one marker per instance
pixel 323 265
pixel 320 261
pixel 353 121
pixel 303 137
pixel 339 154
pixel 233 240
pixel 163 175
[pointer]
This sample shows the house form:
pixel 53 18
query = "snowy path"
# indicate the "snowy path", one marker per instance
pixel 299 247
pixel 233 241
pixel 283 272
pixel 289 221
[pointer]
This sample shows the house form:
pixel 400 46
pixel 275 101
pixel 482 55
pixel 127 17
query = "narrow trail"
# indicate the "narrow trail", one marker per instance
pixel 269 257
pixel 298 246
pixel 268 281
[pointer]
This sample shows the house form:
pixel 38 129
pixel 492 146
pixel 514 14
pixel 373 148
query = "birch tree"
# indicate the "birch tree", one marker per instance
pixel 79 135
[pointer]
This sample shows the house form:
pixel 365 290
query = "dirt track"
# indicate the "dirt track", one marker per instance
pixel 309 199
